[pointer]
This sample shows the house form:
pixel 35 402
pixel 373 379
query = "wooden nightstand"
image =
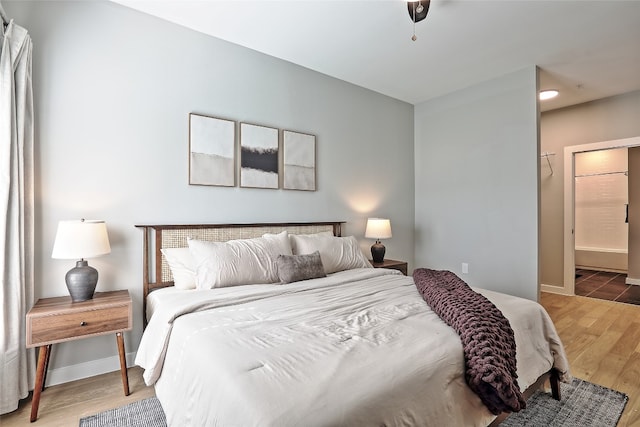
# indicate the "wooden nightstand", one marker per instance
pixel 391 263
pixel 55 320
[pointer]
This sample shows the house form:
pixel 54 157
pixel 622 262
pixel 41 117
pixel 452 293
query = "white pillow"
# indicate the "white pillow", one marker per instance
pixel 337 253
pixel 293 242
pixel 238 262
pixel 182 267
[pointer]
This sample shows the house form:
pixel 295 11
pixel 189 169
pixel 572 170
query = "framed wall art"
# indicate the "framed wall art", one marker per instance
pixel 212 151
pixel 299 158
pixel 258 156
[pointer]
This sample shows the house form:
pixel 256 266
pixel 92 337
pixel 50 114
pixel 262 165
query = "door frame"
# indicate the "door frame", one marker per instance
pixel 569 202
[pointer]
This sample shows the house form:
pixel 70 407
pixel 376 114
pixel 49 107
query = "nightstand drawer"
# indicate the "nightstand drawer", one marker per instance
pixel 71 325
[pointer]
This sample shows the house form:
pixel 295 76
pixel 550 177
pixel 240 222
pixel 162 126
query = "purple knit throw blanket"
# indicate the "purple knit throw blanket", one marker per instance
pixel 486 335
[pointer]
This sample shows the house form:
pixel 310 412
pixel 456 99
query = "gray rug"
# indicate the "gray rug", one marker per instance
pixel 143 413
pixel 583 404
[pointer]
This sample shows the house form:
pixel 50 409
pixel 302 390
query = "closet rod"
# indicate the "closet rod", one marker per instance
pixel 603 173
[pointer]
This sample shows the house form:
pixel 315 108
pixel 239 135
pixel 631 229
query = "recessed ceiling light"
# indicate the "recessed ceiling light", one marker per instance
pixel 548 94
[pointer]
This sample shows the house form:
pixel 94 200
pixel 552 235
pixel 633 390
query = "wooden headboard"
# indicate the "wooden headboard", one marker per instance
pixel 156 272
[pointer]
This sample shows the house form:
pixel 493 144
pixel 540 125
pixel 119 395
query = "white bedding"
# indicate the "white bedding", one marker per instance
pixel 359 347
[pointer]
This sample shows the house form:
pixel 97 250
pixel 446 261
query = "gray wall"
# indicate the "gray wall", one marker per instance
pixel 603 120
pixel 113 90
pixel 477 184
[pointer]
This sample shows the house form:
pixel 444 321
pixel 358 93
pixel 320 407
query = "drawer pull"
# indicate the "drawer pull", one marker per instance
pixel 83 323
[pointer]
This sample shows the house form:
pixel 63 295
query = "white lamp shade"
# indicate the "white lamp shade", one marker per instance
pixel 378 228
pixel 78 239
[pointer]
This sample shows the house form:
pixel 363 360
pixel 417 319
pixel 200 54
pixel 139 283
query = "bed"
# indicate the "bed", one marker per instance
pixel 351 345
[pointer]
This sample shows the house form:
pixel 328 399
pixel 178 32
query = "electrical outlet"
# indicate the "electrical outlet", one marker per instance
pixel 465 268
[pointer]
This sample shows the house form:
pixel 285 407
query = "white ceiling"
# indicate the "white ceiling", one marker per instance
pixel 586 49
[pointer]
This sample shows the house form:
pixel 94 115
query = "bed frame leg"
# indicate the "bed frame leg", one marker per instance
pixel 554 380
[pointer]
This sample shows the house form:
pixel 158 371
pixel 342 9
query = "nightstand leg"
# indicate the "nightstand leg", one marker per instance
pixel 43 358
pixel 46 368
pixel 123 363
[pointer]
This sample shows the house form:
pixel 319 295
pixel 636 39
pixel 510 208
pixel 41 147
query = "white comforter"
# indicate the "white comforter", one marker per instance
pixel 360 347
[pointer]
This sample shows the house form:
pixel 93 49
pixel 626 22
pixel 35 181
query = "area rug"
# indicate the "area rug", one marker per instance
pixel 143 413
pixel 583 404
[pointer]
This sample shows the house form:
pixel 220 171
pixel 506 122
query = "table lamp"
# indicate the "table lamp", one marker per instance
pixel 378 228
pixel 80 239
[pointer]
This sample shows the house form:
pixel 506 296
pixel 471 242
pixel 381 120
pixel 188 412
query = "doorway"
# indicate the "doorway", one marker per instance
pixel 570 153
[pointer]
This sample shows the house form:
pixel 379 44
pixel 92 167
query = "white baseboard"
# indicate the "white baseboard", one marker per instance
pixel 87 369
pixel 630 281
pixel 554 289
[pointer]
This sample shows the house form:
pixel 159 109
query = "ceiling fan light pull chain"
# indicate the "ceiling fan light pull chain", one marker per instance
pixel 414 38
pixel 418 10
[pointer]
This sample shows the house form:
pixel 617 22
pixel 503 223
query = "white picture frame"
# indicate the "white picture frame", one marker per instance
pixel 212 151
pixel 299 161
pixel 259 151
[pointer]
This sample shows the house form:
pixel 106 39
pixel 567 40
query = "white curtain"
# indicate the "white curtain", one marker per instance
pixel 17 364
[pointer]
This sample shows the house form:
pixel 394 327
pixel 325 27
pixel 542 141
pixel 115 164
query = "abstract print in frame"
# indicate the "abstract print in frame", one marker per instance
pixel 299 161
pixel 212 151
pixel 258 156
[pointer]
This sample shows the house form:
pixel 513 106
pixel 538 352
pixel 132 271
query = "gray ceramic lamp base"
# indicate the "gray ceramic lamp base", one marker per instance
pixel 377 251
pixel 81 281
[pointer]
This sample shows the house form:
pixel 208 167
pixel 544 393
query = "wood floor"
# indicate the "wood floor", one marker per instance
pixel 602 340
pixel 63 405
